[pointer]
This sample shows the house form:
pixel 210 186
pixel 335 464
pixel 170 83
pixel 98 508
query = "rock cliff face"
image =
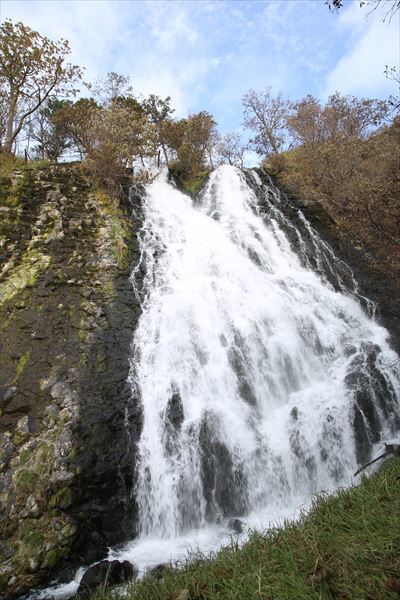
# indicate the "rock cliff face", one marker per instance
pixel 68 420
pixel 380 288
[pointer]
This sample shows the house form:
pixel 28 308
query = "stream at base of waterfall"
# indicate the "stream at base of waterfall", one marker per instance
pixel 261 373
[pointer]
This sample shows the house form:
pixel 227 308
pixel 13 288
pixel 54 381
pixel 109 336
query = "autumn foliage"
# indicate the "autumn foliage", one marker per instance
pixel 343 153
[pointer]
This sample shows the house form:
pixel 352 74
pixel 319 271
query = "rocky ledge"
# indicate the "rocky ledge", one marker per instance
pixel 381 288
pixel 68 419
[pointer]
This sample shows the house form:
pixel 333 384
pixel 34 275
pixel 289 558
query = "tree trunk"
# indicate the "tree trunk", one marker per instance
pixel 8 143
pixel 165 154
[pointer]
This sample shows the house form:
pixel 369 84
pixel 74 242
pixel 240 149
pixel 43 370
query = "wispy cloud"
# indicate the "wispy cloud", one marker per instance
pixel 207 54
pixel 376 44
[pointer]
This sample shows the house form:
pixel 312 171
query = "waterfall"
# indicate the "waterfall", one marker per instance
pixel 261 376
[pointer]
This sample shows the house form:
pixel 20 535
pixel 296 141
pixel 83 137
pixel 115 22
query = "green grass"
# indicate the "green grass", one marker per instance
pixel 347 547
pixel 194 185
pixel 188 183
pixel 9 163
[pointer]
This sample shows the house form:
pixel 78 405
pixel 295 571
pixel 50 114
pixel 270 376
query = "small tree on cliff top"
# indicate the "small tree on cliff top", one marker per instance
pixel 159 112
pixel 231 149
pixel 32 68
pixel 266 116
pixel 190 139
pixel 49 130
pixel 107 89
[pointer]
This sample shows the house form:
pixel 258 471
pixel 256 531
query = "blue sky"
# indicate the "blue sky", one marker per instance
pixel 207 54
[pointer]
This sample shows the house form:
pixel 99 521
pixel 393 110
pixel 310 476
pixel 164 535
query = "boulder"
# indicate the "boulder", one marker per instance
pixel 158 571
pixel 236 525
pixel 106 572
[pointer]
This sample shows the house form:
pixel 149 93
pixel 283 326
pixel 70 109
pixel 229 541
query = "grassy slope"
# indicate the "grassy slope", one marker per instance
pixel 347 547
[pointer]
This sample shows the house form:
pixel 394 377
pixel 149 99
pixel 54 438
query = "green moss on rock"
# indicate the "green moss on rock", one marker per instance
pixel 21 364
pixel 18 438
pixel 62 499
pixel 53 557
pixel 115 229
pixel 32 265
pixel 191 185
pixel 24 481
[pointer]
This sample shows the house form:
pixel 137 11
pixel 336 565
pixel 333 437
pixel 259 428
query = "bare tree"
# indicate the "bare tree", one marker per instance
pixel 390 7
pixel 231 149
pixel 267 117
pixel 106 89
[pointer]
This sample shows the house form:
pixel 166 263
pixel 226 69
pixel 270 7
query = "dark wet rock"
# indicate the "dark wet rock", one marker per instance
pixel 106 572
pixel 372 395
pixel 236 525
pixel 224 485
pixel 175 411
pixel 158 571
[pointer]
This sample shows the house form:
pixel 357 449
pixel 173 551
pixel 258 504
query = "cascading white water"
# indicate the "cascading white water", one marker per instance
pixel 258 381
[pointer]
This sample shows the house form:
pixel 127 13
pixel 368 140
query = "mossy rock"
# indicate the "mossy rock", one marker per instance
pixel 62 499
pixel 54 557
pixel 4 579
pixel 51 286
pixel 189 184
pixel 24 481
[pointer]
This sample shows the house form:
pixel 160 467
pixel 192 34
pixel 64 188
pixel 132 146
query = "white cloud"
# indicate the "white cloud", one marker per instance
pixel 206 54
pixel 152 42
pixel 376 44
pixel 90 27
pixel 169 26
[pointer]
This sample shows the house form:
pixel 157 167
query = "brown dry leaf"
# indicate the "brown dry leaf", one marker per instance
pixel 183 595
pixel 319 575
pixel 393 584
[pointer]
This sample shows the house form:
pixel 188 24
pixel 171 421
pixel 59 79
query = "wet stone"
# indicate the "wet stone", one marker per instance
pixel 158 571
pixel 236 525
pixel 111 572
pixel 8 395
pixel 27 424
